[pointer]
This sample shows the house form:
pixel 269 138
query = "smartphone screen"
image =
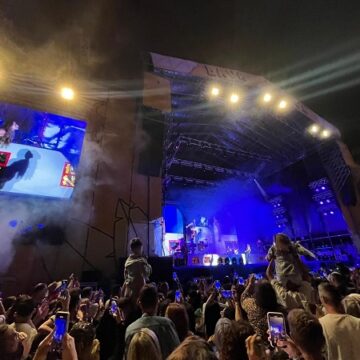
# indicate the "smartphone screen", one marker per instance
pixel 113 307
pixel 63 286
pixel 277 329
pixel 61 325
pixel 241 281
pixel 177 296
pixel 226 294
pixel 217 284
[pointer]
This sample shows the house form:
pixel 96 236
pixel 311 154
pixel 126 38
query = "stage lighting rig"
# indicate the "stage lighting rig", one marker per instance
pixel 67 93
pixel 314 129
pixel 267 98
pixel 234 98
pixel 283 104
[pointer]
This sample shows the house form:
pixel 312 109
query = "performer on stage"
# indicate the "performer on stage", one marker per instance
pixel 247 253
pixel 288 265
pixel 137 269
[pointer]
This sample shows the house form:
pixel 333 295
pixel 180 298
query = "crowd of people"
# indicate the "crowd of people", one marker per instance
pixel 316 316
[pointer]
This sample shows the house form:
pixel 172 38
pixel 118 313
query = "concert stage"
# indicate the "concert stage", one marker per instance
pixel 242 161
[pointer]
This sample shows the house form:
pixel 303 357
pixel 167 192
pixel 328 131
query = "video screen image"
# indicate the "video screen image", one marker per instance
pixel 39 151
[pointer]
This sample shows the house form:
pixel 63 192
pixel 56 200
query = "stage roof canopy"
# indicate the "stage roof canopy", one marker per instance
pixel 209 138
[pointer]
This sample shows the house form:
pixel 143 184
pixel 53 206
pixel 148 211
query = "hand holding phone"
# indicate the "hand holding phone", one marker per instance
pixel 277 328
pixel 113 307
pixel 226 294
pixel 178 296
pixel 217 285
pixel 61 326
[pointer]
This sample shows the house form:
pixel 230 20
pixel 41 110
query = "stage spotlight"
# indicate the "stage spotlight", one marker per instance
pixel 67 93
pixel 215 91
pixel 283 104
pixel 325 134
pixel 234 98
pixel 267 97
pixel 314 129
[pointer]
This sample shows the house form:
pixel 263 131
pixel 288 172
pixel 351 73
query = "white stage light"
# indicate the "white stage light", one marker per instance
pixel 234 98
pixel 267 97
pixel 325 134
pixel 282 104
pixel 67 93
pixel 215 91
pixel 314 129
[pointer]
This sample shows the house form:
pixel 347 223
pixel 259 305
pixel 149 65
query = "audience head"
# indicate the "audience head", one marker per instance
pixel 282 242
pixel 265 296
pixel 177 313
pixel 9 340
pixel 330 297
pixel 221 331
pixel 144 342
pixel 148 299
pixel 136 246
pixel 39 293
pixel 86 292
pixel 74 301
pixel 163 288
pixel 212 315
pixel 193 347
pixel 84 335
pixel 9 302
pixel 194 299
pixel 306 332
pixel 24 308
pixel 234 341
pixel 228 313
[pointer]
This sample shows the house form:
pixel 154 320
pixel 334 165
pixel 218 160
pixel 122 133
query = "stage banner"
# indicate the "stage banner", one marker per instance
pixel 203 70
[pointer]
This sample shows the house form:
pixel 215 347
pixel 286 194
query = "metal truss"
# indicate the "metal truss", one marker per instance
pixel 334 163
pixel 212 168
pixel 187 181
pixel 205 145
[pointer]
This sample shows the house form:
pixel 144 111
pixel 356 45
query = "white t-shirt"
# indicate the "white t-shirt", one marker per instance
pixel 29 331
pixel 342 334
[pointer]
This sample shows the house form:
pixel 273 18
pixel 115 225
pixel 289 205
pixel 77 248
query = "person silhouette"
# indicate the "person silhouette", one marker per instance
pixel 16 169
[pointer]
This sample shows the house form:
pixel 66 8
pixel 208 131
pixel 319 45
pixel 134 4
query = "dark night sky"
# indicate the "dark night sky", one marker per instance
pixel 261 37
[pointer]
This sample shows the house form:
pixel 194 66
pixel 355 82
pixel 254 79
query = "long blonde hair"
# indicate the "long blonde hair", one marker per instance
pixel 144 345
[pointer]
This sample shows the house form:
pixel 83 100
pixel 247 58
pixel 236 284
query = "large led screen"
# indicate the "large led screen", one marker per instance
pixel 39 152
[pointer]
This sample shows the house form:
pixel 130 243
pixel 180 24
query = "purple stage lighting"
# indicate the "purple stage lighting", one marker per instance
pixel 331 212
pixel 323 188
pixel 325 213
pixel 328 201
pixel 321 203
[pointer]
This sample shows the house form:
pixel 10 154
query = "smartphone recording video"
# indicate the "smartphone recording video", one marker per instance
pixel 61 325
pixel 277 328
pixel 177 296
pixel 226 294
pixel 113 307
pixel 217 285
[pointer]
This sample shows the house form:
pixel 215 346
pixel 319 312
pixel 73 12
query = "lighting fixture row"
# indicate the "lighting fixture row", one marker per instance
pixel 234 97
pixel 317 131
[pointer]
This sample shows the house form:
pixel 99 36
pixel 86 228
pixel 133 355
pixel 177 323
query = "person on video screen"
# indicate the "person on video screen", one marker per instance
pixel 7 133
